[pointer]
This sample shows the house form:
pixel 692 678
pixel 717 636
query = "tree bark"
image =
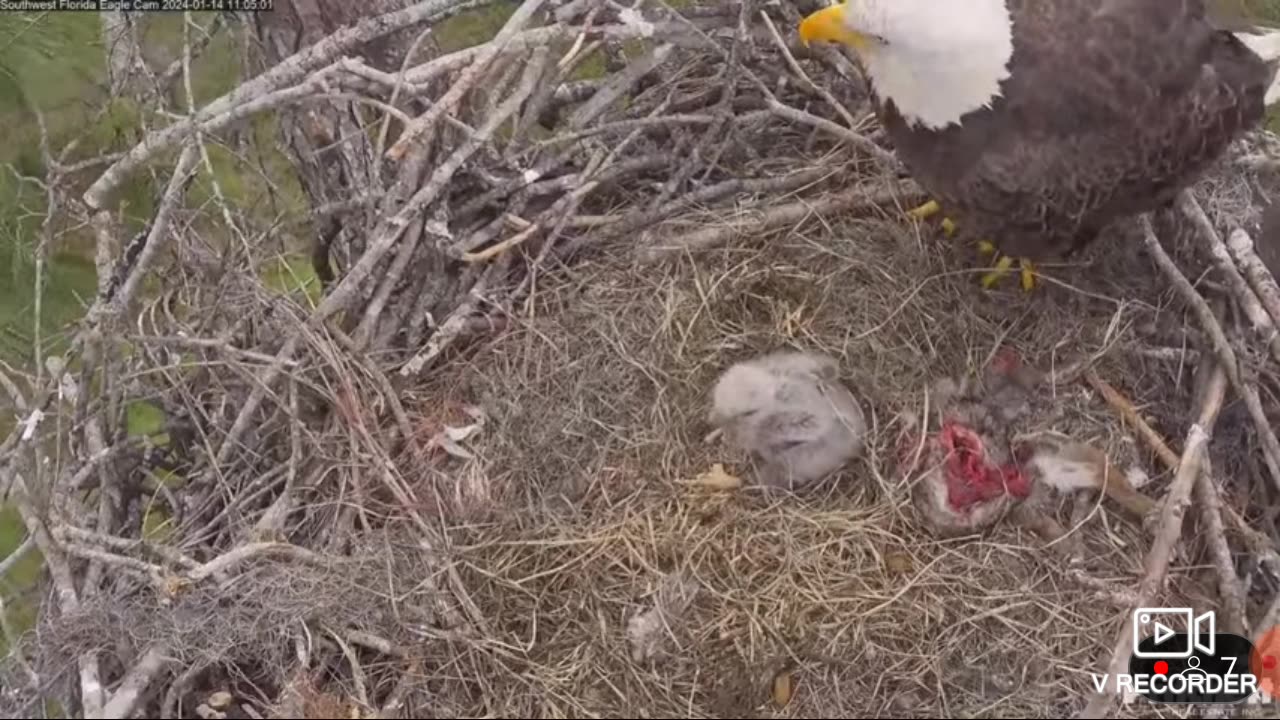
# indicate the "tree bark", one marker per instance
pixel 333 149
pixel 121 46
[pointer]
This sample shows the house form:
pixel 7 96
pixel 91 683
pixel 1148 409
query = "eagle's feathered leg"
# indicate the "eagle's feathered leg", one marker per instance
pixel 1003 263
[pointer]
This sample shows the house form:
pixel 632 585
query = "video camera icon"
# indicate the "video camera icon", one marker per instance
pixel 1201 632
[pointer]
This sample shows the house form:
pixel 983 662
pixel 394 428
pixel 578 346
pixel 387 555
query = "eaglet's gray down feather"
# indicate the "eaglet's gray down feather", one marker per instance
pixel 791 412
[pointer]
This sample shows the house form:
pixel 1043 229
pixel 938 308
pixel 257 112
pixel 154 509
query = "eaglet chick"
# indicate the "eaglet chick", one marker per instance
pixel 790 411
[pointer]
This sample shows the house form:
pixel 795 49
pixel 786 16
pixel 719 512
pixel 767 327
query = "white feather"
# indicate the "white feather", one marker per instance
pixel 1267 47
pixel 938 60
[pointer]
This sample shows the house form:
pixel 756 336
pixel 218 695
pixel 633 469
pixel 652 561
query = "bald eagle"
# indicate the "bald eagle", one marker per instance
pixel 1034 124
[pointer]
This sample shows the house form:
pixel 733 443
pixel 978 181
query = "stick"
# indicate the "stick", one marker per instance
pixel 619 84
pixel 1157 561
pixel 858 140
pixel 799 71
pixel 395 701
pixel 18 553
pixel 271 523
pixel 1264 283
pixel 288 72
pixel 1226 356
pixel 1120 597
pixel 384 237
pixel 373 311
pixel 772 186
pixel 134 683
pixel 390 230
pixel 546 37
pixel 208 343
pixel 423 126
pixel 91 697
pixel 142 567
pixel 1258 543
pixel 357 672
pixel 15 395
pixel 376 642
pixel 231 558
pixel 452 328
pixel 1262 323
pixel 68 532
pixel 1130 414
pixel 851 200
pixel 165 79
pixel 158 234
pixel 1230 589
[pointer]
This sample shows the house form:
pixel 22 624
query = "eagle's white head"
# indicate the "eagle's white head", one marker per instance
pixel 936 59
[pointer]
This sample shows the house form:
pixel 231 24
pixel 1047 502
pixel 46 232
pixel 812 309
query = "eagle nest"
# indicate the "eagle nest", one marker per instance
pixel 468 475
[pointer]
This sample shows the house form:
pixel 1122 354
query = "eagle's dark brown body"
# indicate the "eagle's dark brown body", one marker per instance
pixel 1112 107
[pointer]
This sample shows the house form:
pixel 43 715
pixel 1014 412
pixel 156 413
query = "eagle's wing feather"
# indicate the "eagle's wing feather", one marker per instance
pixel 1110 105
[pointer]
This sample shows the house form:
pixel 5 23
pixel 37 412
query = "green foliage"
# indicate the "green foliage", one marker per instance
pixel 47 59
pixel 157 523
pixel 1265 11
pixel 143 419
pixel 69 281
pixel 12 532
pixel 51 62
pixel 473 27
pixel 21 579
pixel 293 274
pixel 213 74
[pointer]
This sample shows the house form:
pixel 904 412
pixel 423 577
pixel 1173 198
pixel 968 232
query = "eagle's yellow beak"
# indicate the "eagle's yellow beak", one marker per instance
pixel 828 24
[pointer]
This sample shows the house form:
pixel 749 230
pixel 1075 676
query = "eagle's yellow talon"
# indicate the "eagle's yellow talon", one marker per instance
pixel 1001 269
pixel 925 211
pixel 1003 266
pixel 1028 274
pixel 928 210
pixel 1003 263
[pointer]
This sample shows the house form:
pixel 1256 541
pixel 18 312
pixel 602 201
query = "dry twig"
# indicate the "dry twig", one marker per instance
pixel 1261 280
pixel 1222 347
pixel 1263 325
pixel 1157 560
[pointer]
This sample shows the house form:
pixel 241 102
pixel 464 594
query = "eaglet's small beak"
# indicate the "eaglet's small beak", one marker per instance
pixel 829 24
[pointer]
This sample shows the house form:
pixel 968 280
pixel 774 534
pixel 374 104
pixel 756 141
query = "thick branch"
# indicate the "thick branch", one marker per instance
pixel 134 684
pixel 289 72
pixel 1260 278
pixel 1262 323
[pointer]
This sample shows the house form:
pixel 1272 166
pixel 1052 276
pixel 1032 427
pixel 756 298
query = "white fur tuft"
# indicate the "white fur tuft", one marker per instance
pixel 938 60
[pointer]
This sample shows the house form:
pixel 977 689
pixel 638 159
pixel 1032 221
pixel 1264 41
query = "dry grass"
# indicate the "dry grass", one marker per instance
pixel 577 508
pixel 581 505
